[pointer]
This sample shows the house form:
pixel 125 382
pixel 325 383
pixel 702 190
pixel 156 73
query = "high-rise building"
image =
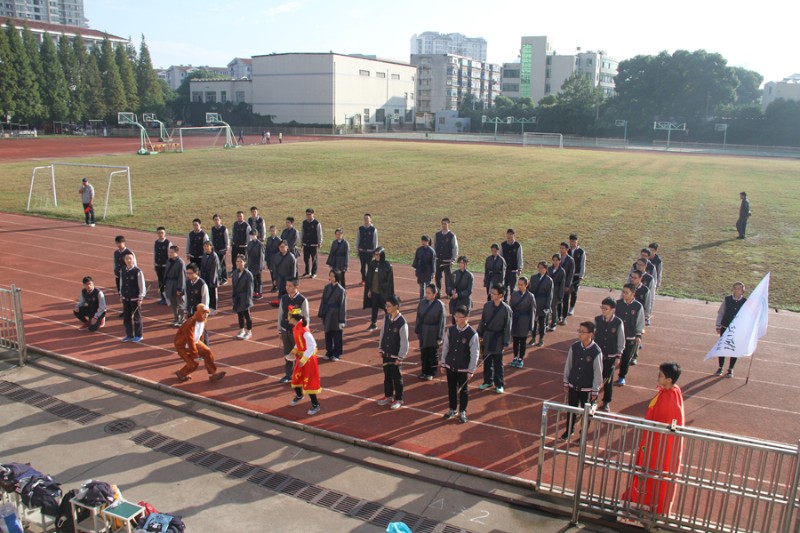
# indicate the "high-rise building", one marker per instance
pixel 445 80
pixel 541 71
pixel 456 44
pixel 66 12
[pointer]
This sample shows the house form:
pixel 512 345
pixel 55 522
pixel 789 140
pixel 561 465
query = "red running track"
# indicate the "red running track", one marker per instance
pixel 47 259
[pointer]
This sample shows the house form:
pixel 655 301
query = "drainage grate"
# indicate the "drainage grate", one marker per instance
pixel 368 510
pixel 50 404
pixel 227 465
pixel 383 518
pixel 119 426
pixel 143 437
pixel 241 471
pixel 275 481
pixel 182 449
pixel 347 504
pixel 309 493
pixel 329 499
pixel 259 476
pixel 294 486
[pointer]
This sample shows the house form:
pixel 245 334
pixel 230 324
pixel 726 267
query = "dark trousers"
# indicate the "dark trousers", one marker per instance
pixel 333 343
pixel 310 259
pixel 132 318
pixel 575 398
pixel 731 362
pixel 539 324
pixel 444 268
pixel 555 310
pixel 510 283
pixel 236 251
pixel 160 270
pixel 88 212
pixel 565 305
pixel 245 320
pixel 117 280
pixel 608 378
pixel 377 301
pixel 364 258
pixel 392 380
pixel 256 282
pixel 223 268
pixel 212 296
pixel 493 370
pixel 430 363
pixel 85 316
pixel 287 339
pixel 573 293
pixel 313 397
pixel 741 226
pixel 520 347
pixel 457 390
pixel 196 259
pixel 628 354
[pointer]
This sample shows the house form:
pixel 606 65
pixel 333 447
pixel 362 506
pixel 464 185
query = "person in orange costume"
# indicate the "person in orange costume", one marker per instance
pixel 189 343
pixel 305 374
pixel 659 457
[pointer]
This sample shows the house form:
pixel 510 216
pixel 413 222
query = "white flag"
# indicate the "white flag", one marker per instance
pixel 749 325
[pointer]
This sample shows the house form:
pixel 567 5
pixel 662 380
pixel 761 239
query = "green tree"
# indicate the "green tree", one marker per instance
pixel 748 91
pixel 94 101
pixel 780 123
pixel 151 93
pixel 26 90
pixel 55 92
pixel 8 79
pixel 72 77
pixel 577 105
pixel 181 104
pixel 113 91
pixel 127 74
pixel 80 93
pixel 35 102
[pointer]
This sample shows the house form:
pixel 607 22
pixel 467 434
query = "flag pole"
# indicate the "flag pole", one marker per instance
pixel 749 367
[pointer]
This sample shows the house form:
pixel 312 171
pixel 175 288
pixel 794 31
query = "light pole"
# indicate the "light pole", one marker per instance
pixel 621 124
pixel 724 129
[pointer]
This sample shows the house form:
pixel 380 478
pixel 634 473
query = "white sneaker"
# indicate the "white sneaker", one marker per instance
pixel 91 225
pixel 396 405
pixel 241 334
pixel 247 336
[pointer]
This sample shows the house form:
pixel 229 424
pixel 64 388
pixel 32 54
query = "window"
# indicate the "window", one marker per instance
pixel 197 96
pixel 410 96
pixel 365 116
pixel 509 73
pixel 363 73
pixel 211 96
pixel 239 97
pixel 380 74
pixel 395 76
pixel 547 88
pixel 223 96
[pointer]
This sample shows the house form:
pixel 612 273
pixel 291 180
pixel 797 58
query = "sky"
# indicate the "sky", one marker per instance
pixel 204 32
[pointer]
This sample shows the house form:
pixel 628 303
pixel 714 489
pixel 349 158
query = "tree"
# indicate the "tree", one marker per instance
pixel 182 102
pixel 55 93
pixel 94 101
pixel 748 91
pixel 37 108
pixel 151 94
pixel 27 105
pixel 8 80
pixel 127 74
pixel 577 105
pixel 113 91
pixel 80 94
pixel 780 123
pixel 72 77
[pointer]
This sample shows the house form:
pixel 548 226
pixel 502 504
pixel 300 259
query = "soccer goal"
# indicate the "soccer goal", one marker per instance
pixel 47 181
pixel 530 138
pixel 205 137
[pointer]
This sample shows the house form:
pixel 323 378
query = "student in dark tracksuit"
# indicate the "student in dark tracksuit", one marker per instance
pixel 194 242
pixel 424 264
pixel 632 314
pixel 583 372
pixel 379 285
pixel 333 312
pixel 284 266
pixel 541 286
pixel 160 258
pixel 393 347
pixel 271 248
pixel 512 253
pixel 240 234
pixel 609 334
pixel 175 285
pixel 460 351
pixel 559 277
pixel 366 243
pixel 643 294
pixel 649 281
pixel 494 270
pixel 312 241
pixel 132 293
pixel 339 255
pixel 744 214
pixel 578 255
pixel 119 262
pixel 292 237
pixel 568 264
pixel 727 312
pixel 255 261
pixel 242 297
pixel 90 309
pixel 293 299
pixel 220 242
pixel 523 308
pixel 209 272
pixel 445 244
pixel 461 287
pixel 495 332
pixel 431 318
pixel 657 261
pixel 257 223
pixel 196 294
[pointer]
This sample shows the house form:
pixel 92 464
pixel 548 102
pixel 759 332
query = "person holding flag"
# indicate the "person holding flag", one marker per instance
pixel 748 317
pixel 87 198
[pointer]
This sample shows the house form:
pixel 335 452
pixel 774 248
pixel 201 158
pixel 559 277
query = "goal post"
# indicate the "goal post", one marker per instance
pixel 45 180
pixel 209 135
pixel 530 138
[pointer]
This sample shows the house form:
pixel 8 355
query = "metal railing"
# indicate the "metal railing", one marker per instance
pixel 673 477
pixel 12 331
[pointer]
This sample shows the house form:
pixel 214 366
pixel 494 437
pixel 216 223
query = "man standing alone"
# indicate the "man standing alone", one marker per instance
pixel 744 214
pixel 87 197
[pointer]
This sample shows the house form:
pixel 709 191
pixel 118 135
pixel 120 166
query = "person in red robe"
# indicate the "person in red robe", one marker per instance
pixel 305 374
pixel 659 456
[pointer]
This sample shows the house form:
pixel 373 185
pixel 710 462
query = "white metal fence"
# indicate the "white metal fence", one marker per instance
pixel 725 483
pixel 12 332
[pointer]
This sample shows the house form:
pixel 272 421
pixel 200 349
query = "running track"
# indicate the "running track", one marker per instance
pixel 48 258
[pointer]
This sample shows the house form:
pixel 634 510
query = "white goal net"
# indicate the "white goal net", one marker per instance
pixel 54 189
pixel 205 137
pixel 542 139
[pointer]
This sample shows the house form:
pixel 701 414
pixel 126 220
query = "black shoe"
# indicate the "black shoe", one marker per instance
pixel 540 343
pixel 449 414
pixel 372 327
pixel 462 417
pixel 565 436
pixel 285 379
pixel 718 372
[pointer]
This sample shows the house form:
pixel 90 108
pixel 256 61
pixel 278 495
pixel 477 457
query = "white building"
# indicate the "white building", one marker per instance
pixel 321 88
pixel 65 12
pixel 431 42
pixel 177 73
pixel 445 80
pixel 90 37
pixel 240 67
pixel 788 89
pixel 541 71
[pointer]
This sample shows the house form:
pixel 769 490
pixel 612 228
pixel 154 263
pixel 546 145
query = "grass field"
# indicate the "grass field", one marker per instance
pixel 618 202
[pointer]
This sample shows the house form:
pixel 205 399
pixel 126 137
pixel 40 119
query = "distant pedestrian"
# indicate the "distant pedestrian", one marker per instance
pixel 280 137
pixel 311 238
pixel 240 140
pixel 87 197
pixel 744 214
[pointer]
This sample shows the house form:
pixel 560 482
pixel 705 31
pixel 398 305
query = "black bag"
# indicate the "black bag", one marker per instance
pixel 64 522
pixel 97 493
pixel 42 493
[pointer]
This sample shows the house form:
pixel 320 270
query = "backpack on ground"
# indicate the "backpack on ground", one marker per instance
pixel 64 522
pixel 161 523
